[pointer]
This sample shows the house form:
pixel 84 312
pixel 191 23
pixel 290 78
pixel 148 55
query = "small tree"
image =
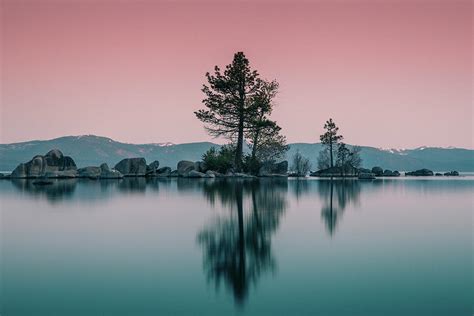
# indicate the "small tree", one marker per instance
pixel 301 165
pixel 221 160
pixel 343 154
pixel 354 157
pixel 265 141
pixel 330 138
pixel 323 159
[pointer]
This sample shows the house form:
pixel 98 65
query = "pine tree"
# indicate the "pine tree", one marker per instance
pixel 229 96
pixel 330 138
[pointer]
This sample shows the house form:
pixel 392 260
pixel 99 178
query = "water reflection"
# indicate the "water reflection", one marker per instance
pixel 336 196
pixel 57 191
pixel 237 244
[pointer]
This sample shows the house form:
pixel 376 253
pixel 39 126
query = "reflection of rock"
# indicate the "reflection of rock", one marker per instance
pixel 56 191
pixel 132 184
pixel 132 167
pixel 54 164
pixel 270 169
pixel 237 247
pixel 420 173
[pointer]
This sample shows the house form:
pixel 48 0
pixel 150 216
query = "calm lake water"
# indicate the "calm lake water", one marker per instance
pixel 235 247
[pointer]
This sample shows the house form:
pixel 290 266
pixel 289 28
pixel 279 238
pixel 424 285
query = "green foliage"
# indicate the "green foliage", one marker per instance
pixel 301 165
pixel 221 160
pixel 251 164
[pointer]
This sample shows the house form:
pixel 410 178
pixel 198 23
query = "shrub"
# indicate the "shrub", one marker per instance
pixel 221 160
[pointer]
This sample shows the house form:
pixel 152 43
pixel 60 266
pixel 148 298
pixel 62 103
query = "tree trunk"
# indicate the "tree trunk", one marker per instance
pixel 240 146
pixel 330 153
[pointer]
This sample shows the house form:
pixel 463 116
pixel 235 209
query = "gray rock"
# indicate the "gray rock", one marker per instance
pixel 366 176
pixel 273 169
pixel 107 173
pixel 377 171
pixel 420 173
pixel 53 164
pixel 132 167
pixel 64 174
pixel 174 173
pixel 196 174
pixel 214 174
pixel 184 167
pixel 89 172
pixel 346 171
pixel 200 166
pixel 151 168
pixel 387 173
pixel 163 172
pixel 451 174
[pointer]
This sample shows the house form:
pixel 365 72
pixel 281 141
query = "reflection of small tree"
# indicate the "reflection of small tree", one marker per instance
pixel 336 196
pixel 237 249
pixel 301 165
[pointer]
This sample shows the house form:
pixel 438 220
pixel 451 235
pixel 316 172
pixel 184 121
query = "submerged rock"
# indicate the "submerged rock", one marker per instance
pixel 132 167
pixel 53 164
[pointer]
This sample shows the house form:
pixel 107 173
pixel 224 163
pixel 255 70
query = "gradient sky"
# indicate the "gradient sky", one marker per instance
pixel 390 73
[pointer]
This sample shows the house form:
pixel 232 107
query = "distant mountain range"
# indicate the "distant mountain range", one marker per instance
pixel 92 150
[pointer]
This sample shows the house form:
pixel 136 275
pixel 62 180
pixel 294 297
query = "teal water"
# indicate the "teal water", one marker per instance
pixel 235 247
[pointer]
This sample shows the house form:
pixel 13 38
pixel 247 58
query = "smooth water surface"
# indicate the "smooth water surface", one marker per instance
pixel 237 247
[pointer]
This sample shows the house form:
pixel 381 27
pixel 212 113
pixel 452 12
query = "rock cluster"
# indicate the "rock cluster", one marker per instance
pixel 452 173
pixel 52 165
pixel 346 171
pixel 420 173
pixel 55 165
pixel 271 169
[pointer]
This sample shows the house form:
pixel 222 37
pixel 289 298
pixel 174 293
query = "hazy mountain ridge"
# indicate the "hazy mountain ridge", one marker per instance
pixel 93 150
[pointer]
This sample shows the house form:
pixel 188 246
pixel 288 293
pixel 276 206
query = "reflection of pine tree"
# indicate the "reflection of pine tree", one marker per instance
pixel 237 249
pixel 345 191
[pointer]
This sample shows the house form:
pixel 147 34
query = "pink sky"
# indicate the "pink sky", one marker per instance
pixel 390 73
